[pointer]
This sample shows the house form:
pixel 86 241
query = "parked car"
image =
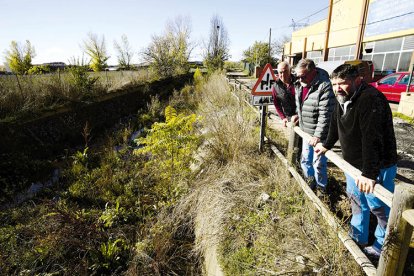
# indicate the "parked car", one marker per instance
pixel 393 85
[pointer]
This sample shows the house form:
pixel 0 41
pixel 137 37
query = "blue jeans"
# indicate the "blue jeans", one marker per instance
pixel 362 204
pixel 314 165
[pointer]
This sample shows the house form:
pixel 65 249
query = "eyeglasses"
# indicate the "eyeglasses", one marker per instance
pixel 303 76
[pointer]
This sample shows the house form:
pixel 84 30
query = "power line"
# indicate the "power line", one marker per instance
pixel 295 25
pixel 389 18
pixel 315 13
pixel 307 17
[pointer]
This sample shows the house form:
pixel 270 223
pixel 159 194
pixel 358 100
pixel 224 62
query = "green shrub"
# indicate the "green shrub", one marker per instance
pixel 81 79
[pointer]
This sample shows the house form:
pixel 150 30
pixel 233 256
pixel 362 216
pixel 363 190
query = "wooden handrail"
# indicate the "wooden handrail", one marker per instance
pixel 401 219
pixel 348 242
pixel 408 215
pixel 379 190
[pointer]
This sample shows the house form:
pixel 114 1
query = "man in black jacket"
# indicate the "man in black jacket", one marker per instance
pixel 362 121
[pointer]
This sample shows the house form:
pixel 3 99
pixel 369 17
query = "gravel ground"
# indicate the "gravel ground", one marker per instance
pixel 404 133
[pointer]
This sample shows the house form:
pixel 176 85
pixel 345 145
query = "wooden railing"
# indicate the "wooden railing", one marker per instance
pixel 401 202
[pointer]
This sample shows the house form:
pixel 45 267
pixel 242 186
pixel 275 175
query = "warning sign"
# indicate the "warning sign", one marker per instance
pixel 263 86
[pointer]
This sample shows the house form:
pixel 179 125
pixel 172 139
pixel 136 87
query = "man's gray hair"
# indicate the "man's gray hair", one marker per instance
pixel 284 64
pixel 307 64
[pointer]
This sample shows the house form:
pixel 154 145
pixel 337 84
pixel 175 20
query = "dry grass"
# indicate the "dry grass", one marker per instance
pixel 25 95
pixel 244 203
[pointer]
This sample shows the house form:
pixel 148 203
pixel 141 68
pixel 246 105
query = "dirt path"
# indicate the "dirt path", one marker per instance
pixel 404 133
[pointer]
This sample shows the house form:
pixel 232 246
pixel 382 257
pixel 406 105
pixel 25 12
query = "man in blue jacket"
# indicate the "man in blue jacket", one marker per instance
pixel 362 121
pixel 315 101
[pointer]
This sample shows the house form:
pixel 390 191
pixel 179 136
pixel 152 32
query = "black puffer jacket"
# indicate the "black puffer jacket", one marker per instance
pixel 315 111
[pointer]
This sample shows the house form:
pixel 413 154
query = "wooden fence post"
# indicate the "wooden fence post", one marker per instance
pixel 293 146
pixel 399 231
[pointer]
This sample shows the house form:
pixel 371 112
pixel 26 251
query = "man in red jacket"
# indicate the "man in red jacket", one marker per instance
pixel 283 93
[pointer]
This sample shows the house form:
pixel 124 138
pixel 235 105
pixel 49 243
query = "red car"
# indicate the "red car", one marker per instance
pixel 393 85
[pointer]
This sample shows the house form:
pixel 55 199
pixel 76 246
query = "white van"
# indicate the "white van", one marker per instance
pixel 365 67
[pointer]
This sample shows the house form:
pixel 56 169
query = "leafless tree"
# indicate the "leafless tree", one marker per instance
pixel 279 44
pixel 125 53
pixel 217 48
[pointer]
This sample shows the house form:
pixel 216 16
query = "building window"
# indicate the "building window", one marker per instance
pixel 388 45
pixel 390 62
pixel 367 57
pixel 342 53
pixel 378 60
pixel 391 55
pixel 316 56
pixel 405 61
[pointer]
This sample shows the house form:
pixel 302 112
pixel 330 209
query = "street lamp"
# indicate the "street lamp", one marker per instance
pixel 217 38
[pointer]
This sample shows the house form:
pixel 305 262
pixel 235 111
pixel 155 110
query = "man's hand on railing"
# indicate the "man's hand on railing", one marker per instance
pixel 365 184
pixel 284 122
pixel 314 141
pixel 294 120
pixel 319 149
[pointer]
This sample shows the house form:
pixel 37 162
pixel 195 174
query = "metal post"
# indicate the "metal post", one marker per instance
pixel 293 146
pixel 409 79
pixel 270 39
pixel 262 125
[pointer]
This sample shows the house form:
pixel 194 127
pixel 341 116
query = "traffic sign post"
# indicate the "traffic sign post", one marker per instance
pixel 262 96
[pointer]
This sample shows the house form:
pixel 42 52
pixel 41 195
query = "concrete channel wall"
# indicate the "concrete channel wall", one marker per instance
pixel 55 131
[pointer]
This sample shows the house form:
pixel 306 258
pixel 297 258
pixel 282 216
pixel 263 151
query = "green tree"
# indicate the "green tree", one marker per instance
pixel 168 54
pixel 125 53
pixel 19 58
pixel 258 54
pixel 95 48
pixel 171 146
pixel 217 48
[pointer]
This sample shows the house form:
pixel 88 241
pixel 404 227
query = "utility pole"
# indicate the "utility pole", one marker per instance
pixel 325 50
pixel 270 39
pixel 216 46
pixel 361 29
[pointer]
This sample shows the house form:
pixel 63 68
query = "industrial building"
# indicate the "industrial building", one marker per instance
pixel 378 30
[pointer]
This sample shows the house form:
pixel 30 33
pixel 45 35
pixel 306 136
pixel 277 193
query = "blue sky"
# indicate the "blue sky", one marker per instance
pixel 56 28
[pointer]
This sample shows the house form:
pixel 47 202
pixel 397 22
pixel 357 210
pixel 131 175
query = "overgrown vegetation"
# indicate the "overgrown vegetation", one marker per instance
pixel 95 48
pixel 168 54
pixel 30 94
pixel 138 209
pixel 19 58
pixel 248 208
pixel 101 220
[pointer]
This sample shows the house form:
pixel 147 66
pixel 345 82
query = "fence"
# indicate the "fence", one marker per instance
pixel 401 202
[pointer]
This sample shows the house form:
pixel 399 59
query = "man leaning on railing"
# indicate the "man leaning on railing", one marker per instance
pixel 362 121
